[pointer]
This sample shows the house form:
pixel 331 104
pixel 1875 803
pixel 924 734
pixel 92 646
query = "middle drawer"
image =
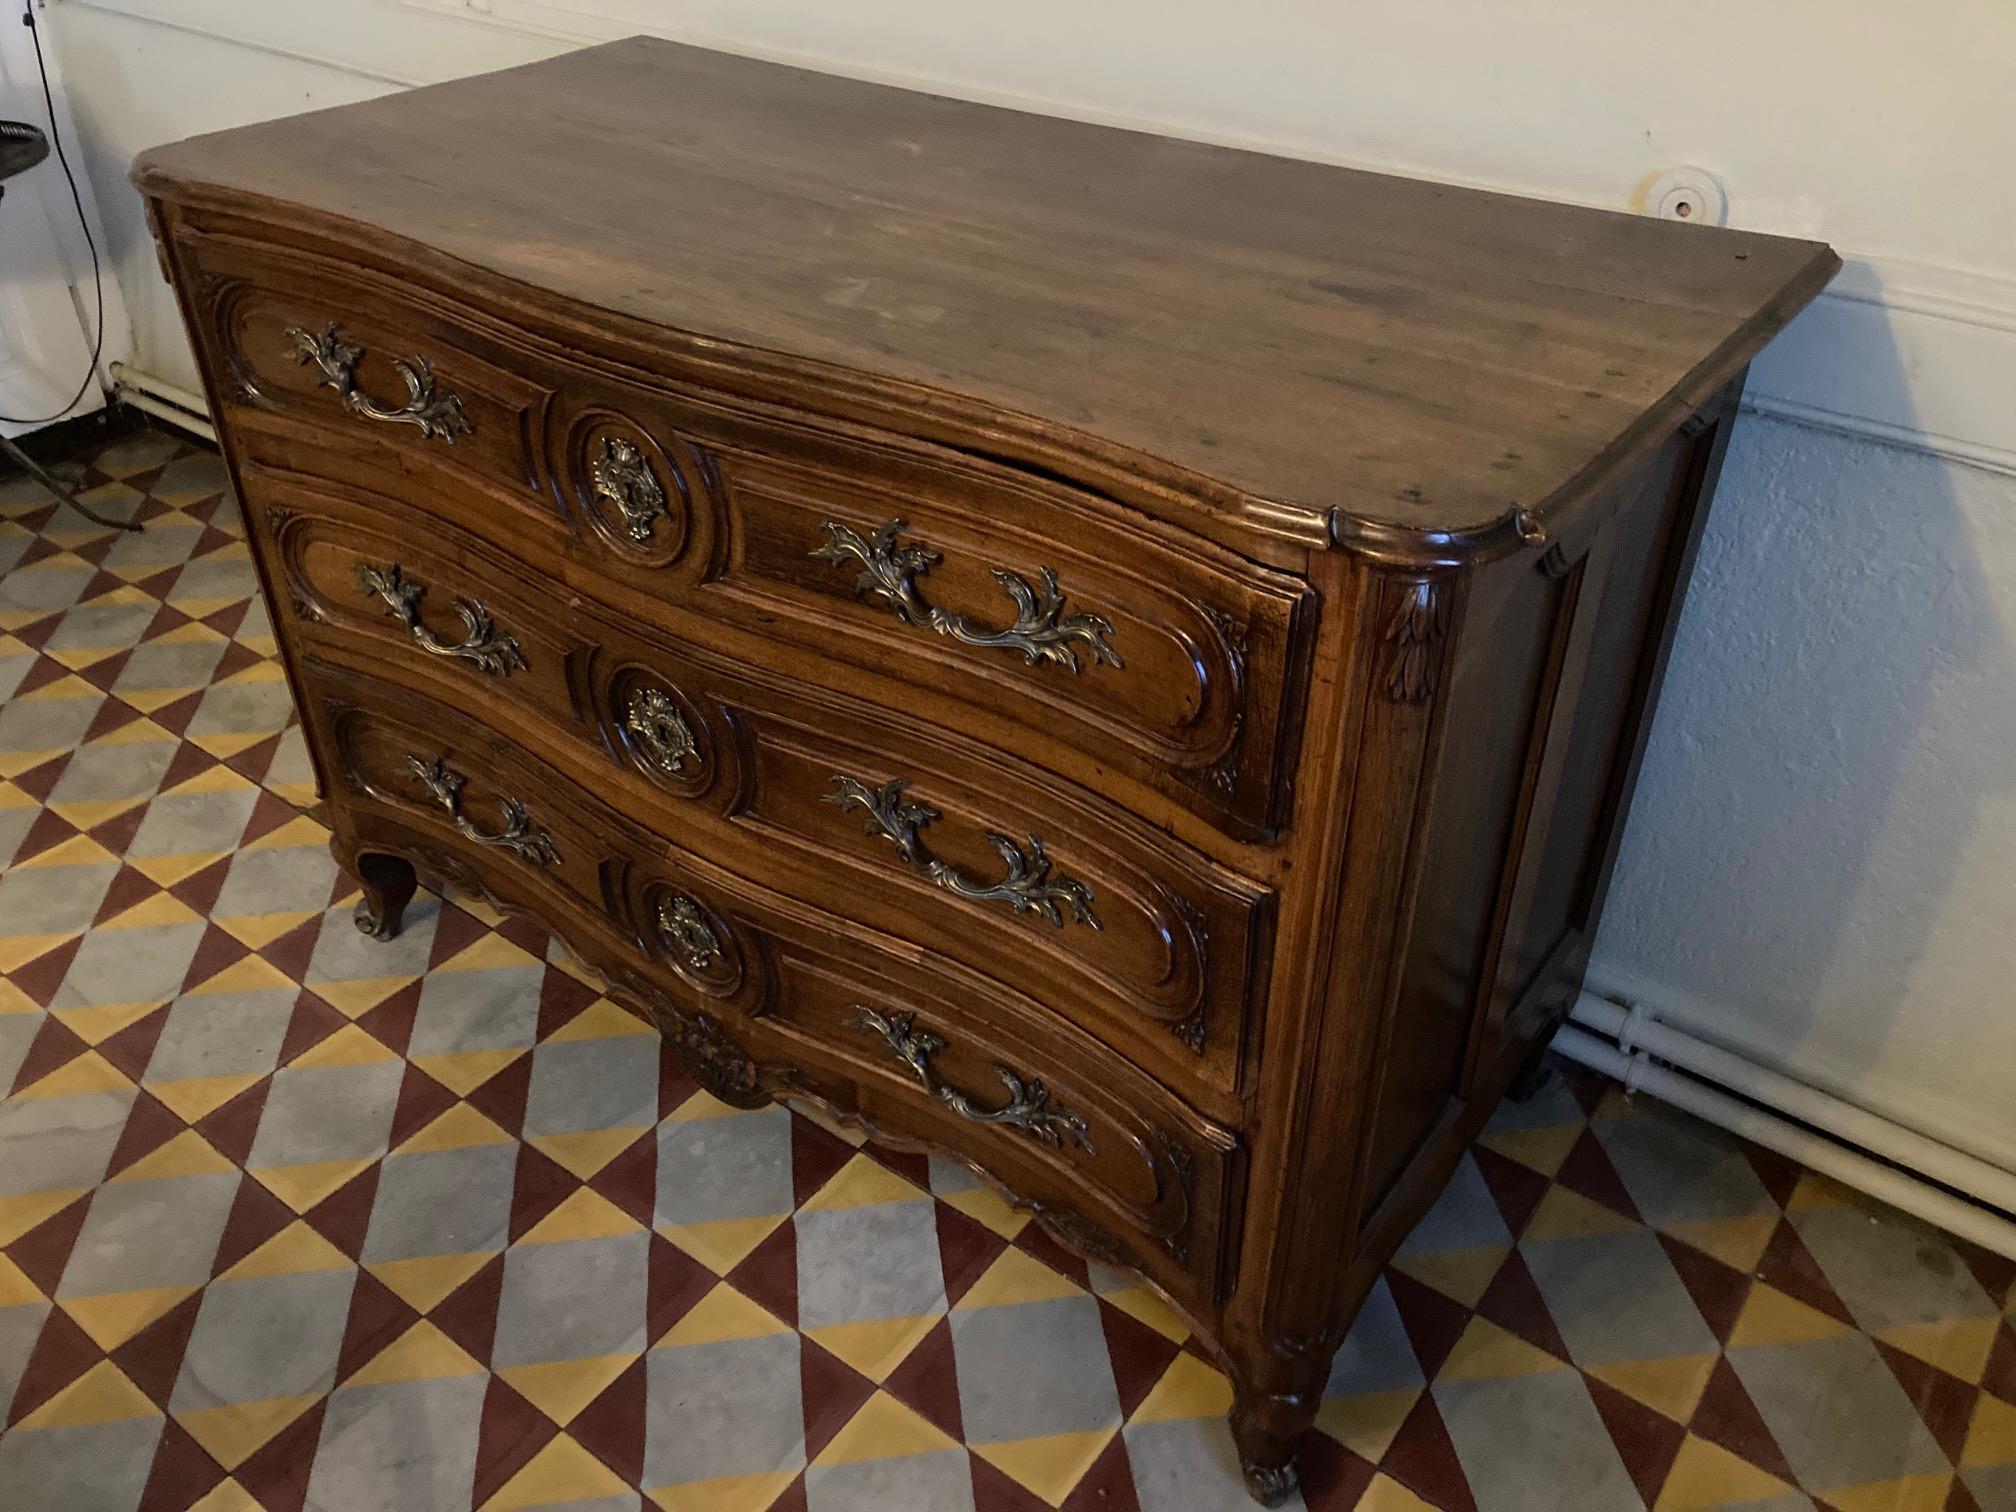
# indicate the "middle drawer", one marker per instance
pixel 960 850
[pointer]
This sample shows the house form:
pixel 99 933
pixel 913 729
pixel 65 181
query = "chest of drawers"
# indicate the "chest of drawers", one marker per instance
pixel 1119 661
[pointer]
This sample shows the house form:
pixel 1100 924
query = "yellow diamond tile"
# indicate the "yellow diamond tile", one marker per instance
pixel 826 1121
pixel 1486 1352
pixel 1958 1346
pixel 561 1388
pixel 1815 1191
pixel 462 1072
pixel 875 1346
pixel 1385 1494
pixel 1671 1385
pixel 114 1317
pixel 260 930
pixel 602 1019
pixel 424 1282
pixel 103 1394
pixel 348 1046
pixel 1738 1242
pixel 1707 1475
pixel 1049 1466
pixel 724 1243
pixel 295 1250
pixel 1563 1214
pixel 863 1182
pixel 300 831
pixel 14 1000
pixel 727 1493
pixel 92 814
pixel 990 1210
pixel 136 732
pixel 422 1353
pixel 228 1496
pixel 302 1186
pixel 246 974
pixel 586 1151
pixel 490 952
pixel 1462 1274
pixel 1367 1422
pixel 1017 1277
pixel 21 1211
pixel 1188 1389
pixel 705 1105
pixel 155 912
pixel 584 1215
pixel 723 1314
pixel 187 1154
pixel 1906 1493
pixel 19 950
pixel 1991 1437
pixel 89 1072
pixel 1542 1149
pixel 166 871
pixel 561 1472
pixel 193 1097
pixel 233 1432
pixel 1771 1317
pixel 883 1429
pixel 1144 1306
pixel 78 850
pixel 100 1021
pixel 15 1287
pixel 460 1128
pixel 212 779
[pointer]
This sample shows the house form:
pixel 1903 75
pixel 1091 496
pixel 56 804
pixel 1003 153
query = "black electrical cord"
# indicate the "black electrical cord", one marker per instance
pixel 76 199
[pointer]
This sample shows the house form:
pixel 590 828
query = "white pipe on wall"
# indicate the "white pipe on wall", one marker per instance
pixel 163 400
pixel 1635 1028
pixel 1900 1190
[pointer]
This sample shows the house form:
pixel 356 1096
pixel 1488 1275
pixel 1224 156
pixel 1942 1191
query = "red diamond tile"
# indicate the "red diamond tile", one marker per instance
pixel 1648 1442
pixel 256 1215
pixel 927 1381
pixel 995 1492
pixel 965 1249
pixel 1588 1172
pixel 831 1390
pixel 233 1126
pixel 183 1473
pixel 38 980
pixel 277 1472
pixel 612 1426
pixel 1514 1303
pixel 1719 1291
pixel 1109 1485
pixel 149 1124
pixel 44 1251
pixel 344 1216
pixel 62 1353
pixel 1423 1459
pixel 1728 1417
pixel 1516 1188
pixel 1434 1322
pixel 816 1158
pixel 768 1274
pixel 1999 1375
pixel 1138 1353
pixel 468 1315
pixel 152 1358
pixel 1788 1265
pixel 509 1432
pixel 376 1317
pixel 1945 1402
pixel 1333 1478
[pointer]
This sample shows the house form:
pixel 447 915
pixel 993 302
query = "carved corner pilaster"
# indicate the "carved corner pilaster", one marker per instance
pixel 1417 624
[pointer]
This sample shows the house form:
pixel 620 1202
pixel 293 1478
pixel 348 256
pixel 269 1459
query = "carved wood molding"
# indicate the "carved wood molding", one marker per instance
pixel 1416 626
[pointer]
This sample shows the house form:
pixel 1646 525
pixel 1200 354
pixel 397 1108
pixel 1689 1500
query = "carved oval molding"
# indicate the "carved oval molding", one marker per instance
pixel 626 488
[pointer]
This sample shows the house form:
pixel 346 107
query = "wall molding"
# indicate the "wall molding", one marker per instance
pixel 1902 353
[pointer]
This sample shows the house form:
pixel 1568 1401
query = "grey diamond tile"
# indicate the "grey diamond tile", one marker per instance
pixel 278 879
pixel 192 477
pixel 47 586
pixel 14 826
pixel 1678 1169
pixel 1890 1269
pixel 17 1033
pixel 166 541
pixel 1033 1369
pixel 715 1168
pixel 936 1482
pixel 327 1113
pixel 160 666
pixel 1464 1217
pixel 1836 1411
pixel 47 724
pixel 407 1446
pixel 60 1143
pixel 44 900
pixel 14 664
pixel 1616 1297
pixel 19 1326
pixel 181 824
pixel 1376 1354
pixel 224 577
pixel 442 1202
pixel 342 954
pixel 222 1034
pixel 571 1300
pixel 101 1467
pixel 258 1337
pixel 1189 1465
pixel 1535 1443
pixel 714 1410
pixel 478 1010
pixel 113 623
pixel 874 1261
pixel 241 706
pixel 135 454
pixel 593 1084
pixel 144 1234
pixel 130 965
pixel 105 773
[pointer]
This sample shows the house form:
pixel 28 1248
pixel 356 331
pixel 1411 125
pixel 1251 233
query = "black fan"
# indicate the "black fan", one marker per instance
pixel 21 147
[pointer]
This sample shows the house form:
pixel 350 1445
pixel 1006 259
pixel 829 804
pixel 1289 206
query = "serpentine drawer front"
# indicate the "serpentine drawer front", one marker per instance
pixel 1115 660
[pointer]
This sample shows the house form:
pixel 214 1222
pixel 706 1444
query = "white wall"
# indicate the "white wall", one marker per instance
pixel 1821 870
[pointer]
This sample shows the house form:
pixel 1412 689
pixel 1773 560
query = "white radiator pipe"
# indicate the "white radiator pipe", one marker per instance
pixel 1638 1029
pixel 163 400
pixel 1900 1190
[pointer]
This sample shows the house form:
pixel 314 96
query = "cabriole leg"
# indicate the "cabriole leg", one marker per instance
pixel 388 883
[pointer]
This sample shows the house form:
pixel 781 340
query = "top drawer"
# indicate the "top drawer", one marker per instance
pixel 986 593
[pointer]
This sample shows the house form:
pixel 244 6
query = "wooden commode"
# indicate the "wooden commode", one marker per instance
pixel 1116 660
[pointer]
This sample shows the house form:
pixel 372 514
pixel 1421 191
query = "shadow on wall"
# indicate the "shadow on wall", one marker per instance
pixel 1820 865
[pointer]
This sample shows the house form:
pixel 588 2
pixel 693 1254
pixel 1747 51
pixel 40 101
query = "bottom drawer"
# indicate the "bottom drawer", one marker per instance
pixel 918 1047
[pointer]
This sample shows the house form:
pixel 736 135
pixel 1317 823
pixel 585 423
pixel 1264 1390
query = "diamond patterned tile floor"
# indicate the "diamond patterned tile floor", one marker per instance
pixel 293 1220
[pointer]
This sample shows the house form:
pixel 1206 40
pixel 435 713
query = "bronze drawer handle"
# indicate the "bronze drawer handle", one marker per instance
pixel 622 476
pixel 683 923
pixel 519 835
pixel 483 643
pixel 1042 632
pixel 1028 1108
pixel 438 415
pixel 652 716
pixel 1027 887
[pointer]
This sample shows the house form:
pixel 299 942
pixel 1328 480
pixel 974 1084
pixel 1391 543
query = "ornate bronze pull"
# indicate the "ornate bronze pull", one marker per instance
pixel 482 643
pixel 1042 632
pixel 438 415
pixel 623 477
pixel 1028 1108
pixel 652 716
pixel 1028 886
pixel 519 835
pixel 686 927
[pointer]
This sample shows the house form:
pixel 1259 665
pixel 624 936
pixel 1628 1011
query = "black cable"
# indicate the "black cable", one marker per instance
pixel 97 273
